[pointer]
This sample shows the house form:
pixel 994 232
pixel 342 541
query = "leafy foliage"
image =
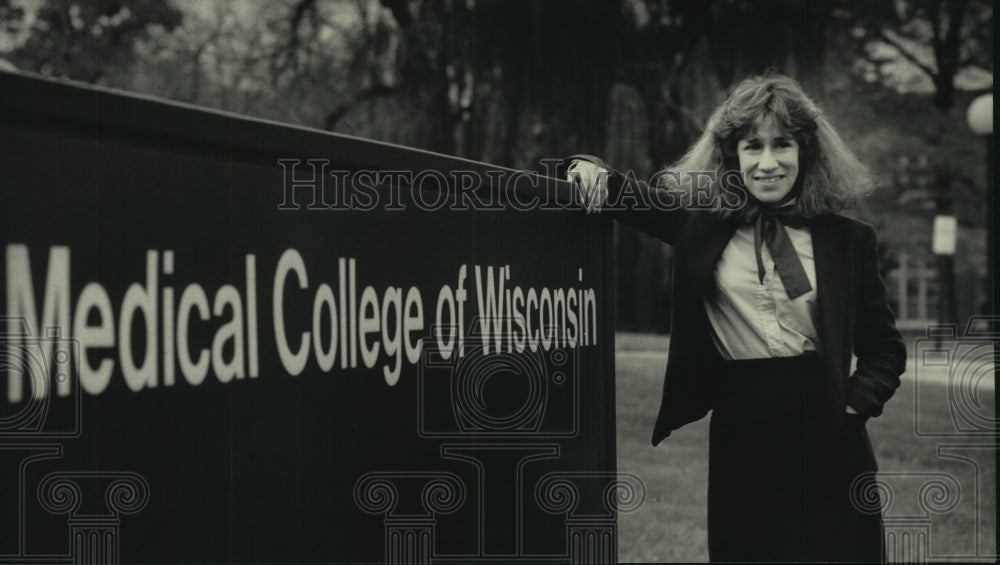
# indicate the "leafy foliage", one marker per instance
pixel 939 38
pixel 81 40
pixel 514 82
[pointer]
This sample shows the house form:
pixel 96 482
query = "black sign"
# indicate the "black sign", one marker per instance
pixel 227 340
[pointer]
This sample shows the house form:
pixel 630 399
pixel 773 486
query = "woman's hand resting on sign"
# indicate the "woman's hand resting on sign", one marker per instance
pixel 591 183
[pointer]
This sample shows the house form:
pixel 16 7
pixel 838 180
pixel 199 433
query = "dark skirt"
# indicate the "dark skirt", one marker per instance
pixel 780 471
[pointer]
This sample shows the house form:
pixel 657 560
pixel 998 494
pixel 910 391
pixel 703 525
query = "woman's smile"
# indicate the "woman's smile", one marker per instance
pixel 769 180
pixel 769 160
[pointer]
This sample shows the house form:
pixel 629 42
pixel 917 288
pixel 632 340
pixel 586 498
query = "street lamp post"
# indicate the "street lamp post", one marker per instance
pixel 980 118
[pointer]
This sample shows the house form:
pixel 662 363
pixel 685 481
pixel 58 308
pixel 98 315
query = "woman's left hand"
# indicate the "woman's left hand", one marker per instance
pixel 591 183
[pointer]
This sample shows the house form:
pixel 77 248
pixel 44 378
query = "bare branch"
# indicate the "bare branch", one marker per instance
pixel 952 40
pixel 298 14
pixel 969 186
pixel 377 91
pixel 973 60
pixel 934 14
pixel 683 112
pixel 400 10
pixel 906 54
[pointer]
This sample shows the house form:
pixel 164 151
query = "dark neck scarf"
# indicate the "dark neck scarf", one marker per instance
pixel 769 223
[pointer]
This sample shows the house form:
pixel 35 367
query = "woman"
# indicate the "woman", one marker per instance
pixel 772 294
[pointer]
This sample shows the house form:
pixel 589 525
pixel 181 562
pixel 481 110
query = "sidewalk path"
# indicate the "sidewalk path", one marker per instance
pixel 975 375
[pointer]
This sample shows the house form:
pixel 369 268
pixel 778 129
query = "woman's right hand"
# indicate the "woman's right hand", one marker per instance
pixel 591 183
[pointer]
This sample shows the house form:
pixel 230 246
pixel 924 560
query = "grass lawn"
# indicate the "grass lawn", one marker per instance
pixel 946 484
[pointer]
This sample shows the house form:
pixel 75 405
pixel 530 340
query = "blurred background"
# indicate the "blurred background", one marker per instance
pixel 512 82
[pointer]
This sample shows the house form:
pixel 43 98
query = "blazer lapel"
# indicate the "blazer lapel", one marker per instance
pixel 833 278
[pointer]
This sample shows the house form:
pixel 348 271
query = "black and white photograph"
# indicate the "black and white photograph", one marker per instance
pixel 497 281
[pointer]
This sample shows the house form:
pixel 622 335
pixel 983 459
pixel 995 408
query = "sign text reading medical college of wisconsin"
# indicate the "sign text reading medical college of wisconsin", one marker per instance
pixel 153 333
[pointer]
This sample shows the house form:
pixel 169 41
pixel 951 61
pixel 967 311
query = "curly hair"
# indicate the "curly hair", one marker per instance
pixel 831 178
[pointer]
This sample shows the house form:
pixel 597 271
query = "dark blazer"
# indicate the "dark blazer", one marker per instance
pixel 854 313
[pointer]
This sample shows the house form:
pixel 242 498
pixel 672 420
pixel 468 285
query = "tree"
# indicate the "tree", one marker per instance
pixel 940 38
pixel 514 82
pixel 82 40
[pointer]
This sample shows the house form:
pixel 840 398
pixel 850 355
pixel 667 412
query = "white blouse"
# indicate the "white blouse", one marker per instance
pixel 753 320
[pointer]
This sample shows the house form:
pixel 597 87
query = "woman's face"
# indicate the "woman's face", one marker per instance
pixel 769 161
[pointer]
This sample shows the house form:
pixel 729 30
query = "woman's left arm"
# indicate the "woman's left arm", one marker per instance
pixel 877 343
